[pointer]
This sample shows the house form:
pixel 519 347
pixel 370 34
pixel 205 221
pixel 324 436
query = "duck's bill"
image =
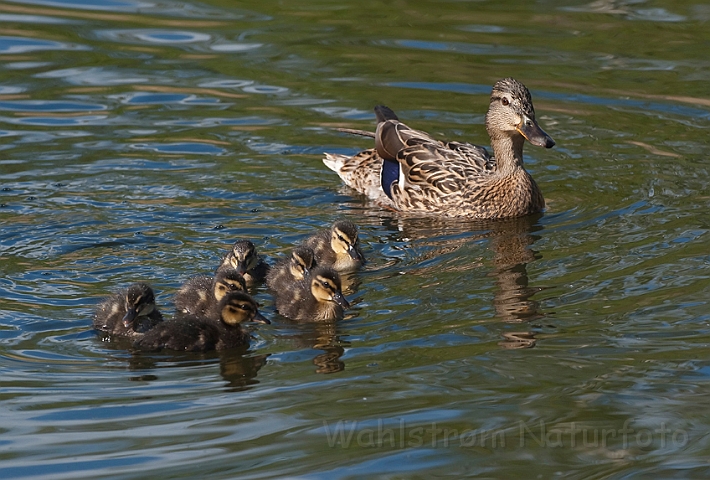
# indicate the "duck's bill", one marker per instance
pixel 129 317
pixel 534 134
pixel 259 318
pixel 340 300
pixel 355 254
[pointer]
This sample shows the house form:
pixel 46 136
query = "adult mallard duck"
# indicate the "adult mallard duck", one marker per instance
pixel 316 298
pixel 337 247
pixel 410 171
pixel 200 295
pixel 201 333
pixel 128 313
pixel 248 263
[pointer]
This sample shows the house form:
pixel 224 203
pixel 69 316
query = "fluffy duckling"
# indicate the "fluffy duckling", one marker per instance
pixel 338 247
pixel 200 295
pixel 318 297
pixel 248 263
pixel 196 333
pixel 128 313
pixel 290 270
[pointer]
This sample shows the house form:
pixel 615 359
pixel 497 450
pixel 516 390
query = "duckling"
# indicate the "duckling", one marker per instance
pixel 290 270
pixel 199 333
pixel 338 247
pixel 200 295
pixel 410 171
pixel 128 313
pixel 248 263
pixel 318 297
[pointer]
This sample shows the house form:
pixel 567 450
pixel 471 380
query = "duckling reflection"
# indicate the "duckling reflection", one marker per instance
pixel 195 333
pixel 201 294
pixel 338 247
pixel 291 270
pixel 244 258
pixel 323 336
pixel 240 370
pixel 128 313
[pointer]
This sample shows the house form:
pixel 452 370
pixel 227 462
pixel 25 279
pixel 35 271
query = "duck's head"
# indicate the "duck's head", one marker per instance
pixel 301 262
pixel 239 307
pixel 326 287
pixel 511 113
pixel 140 302
pixel 243 256
pixel 344 240
pixel 227 280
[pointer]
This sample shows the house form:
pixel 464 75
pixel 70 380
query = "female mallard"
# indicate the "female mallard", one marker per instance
pixel 338 247
pixel 290 270
pixel 248 263
pixel 200 333
pixel 316 298
pixel 200 295
pixel 410 171
pixel 128 313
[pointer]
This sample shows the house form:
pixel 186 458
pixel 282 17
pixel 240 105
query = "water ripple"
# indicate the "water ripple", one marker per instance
pixel 163 37
pixel 48 106
pixel 14 45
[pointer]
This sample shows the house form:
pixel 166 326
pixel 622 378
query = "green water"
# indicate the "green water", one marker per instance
pixel 138 140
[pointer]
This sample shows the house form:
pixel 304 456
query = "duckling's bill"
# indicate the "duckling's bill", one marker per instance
pixel 339 298
pixel 259 318
pixel 130 317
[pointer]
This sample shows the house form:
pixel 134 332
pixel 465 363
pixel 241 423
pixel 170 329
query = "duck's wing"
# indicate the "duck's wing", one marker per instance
pixel 360 172
pixel 475 155
pixel 180 335
pixel 432 175
pixel 392 136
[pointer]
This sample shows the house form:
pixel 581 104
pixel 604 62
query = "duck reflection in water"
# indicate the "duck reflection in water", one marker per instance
pixel 510 241
pixel 321 336
pixel 238 366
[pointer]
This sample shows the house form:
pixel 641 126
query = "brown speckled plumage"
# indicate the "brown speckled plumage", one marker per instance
pixel 246 261
pixel 200 333
pixel 200 295
pixel 450 178
pixel 291 270
pixel 318 297
pixel 338 247
pixel 128 313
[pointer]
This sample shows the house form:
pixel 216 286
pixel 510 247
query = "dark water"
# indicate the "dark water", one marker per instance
pixel 139 139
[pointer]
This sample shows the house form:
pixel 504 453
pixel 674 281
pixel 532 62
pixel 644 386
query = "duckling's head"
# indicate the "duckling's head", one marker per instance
pixel 139 302
pixel 326 286
pixel 239 307
pixel 243 256
pixel 344 240
pixel 301 262
pixel 511 113
pixel 227 280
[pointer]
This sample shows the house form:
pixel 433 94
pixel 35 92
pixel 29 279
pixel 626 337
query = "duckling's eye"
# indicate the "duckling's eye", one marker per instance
pixel 505 101
pixel 528 123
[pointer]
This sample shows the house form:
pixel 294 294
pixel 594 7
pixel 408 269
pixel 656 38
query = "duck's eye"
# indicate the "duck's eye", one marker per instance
pixel 505 101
